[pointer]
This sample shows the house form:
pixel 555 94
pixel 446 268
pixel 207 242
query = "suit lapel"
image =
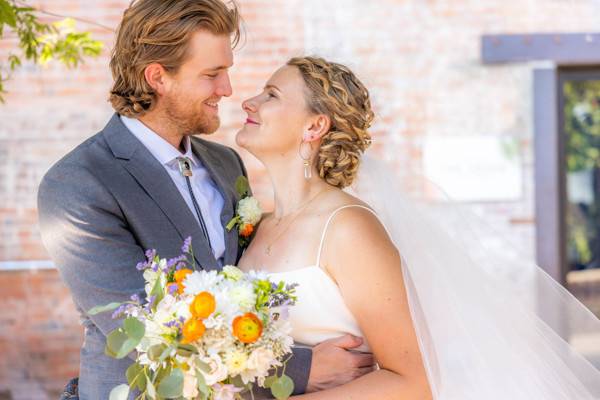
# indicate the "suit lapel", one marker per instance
pixel 157 183
pixel 219 175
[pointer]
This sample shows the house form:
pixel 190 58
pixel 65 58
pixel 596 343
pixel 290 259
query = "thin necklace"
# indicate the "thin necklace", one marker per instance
pixel 297 212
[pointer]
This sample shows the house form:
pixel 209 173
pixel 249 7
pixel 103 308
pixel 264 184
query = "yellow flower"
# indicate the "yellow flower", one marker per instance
pixel 247 328
pixel 193 329
pixel 203 305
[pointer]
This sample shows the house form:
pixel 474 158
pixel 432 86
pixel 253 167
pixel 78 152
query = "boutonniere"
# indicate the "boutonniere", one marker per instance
pixel 247 213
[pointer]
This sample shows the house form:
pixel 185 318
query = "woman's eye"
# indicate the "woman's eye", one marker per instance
pixel 271 95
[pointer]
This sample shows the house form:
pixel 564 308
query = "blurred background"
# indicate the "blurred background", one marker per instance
pixel 497 101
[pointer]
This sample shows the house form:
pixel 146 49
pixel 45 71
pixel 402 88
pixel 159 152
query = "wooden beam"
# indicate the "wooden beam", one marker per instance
pixel 561 48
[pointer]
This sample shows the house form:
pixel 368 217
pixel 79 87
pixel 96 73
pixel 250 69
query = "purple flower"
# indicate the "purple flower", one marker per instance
pixel 122 310
pixel 150 254
pixel 136 298
pixel 172 289
pixel 187 244
pixel 174 262
pixel 149 303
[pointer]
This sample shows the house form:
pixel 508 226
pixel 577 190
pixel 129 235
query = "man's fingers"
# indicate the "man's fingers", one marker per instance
pixel 362 359
pixel 358 372
pixel 347 341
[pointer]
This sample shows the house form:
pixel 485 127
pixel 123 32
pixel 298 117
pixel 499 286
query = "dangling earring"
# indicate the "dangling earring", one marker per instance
pixel 307 160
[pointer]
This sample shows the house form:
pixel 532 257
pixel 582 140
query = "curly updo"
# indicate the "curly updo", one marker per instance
pixel 335 91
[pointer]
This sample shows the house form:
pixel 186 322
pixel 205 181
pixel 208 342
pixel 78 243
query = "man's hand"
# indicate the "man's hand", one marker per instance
pixel 333 364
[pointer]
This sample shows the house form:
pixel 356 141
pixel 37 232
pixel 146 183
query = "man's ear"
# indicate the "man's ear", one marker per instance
pixel 319 125
pixel 157 78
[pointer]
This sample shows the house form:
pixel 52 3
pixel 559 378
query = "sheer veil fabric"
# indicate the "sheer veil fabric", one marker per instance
pixel 491 324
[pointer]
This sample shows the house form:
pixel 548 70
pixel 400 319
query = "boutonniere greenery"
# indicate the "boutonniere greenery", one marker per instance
pixel 247 214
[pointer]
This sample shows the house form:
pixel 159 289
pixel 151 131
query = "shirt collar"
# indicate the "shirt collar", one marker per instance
pixel 162 150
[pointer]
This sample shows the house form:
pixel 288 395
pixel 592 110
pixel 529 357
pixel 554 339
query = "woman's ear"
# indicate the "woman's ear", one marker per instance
pixel 156 76
pixel 318 126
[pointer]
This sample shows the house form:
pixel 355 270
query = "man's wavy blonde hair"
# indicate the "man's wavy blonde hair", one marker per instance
pixel 159 31
pixel 335 91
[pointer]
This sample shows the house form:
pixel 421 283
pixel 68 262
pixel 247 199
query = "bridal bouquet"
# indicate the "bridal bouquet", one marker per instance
pixel 202 334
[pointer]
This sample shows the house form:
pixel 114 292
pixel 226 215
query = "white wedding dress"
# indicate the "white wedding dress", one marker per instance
pixel 490 326
pixel 320 312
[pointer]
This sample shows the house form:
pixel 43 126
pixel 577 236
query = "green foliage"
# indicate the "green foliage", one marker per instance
pixel 40 42
pixel 582 124
pixel 582 154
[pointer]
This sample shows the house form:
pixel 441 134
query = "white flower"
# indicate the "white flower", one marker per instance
pixel 249 210
pixel 258 365
pixel 235 360
pixel 225 392
pixel 233 273
pixel 218 370
pixel 243 294
pixel 201 281
pixel 190 385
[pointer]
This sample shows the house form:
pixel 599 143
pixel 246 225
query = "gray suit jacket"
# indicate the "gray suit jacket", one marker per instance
pixel 101 207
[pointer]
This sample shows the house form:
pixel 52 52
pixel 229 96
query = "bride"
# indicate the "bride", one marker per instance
pixel 438 324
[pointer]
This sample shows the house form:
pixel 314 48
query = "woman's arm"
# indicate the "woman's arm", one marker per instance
pixel 366 265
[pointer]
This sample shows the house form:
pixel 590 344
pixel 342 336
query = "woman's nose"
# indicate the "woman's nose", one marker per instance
pixel 249 105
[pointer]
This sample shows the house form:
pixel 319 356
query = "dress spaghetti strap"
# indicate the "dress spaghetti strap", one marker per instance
pixel 318 264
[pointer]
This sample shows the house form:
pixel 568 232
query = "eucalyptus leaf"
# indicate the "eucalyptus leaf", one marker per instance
pixel 135 375
pixel 120 392
pixel 127 347
pixel 104 308
pixel 204 367
pixel 165 353
pixel 202 386
pixel 150 389
pixel 269 381
pixel 172 385
pixel 134 329
pixel 282 388
pixel 154 352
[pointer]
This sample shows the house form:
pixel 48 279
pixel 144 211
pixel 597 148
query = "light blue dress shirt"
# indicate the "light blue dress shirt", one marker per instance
pixel 205 190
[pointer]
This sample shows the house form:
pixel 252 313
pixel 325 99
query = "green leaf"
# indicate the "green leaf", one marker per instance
pixel 120 343
pixel 158 292
pixel 270 380
pixel 204 367
pixel 165 353
pixel 242 186
pixel 120 392
pixel 150 389
pixel 134 329
pixel 282 388
pixel 135 376
pixel 172 385
pixel 109 352
pixel 202 386
pixel 154 352
pixel 104 308
pixel 7 14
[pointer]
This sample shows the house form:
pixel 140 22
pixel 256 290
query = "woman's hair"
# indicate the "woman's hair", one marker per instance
pixel 159 31
pixel 335 91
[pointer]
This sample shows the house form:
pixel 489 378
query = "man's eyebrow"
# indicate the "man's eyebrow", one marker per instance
pixel 219 68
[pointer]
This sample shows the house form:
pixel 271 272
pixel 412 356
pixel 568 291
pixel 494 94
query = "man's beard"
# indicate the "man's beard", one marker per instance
pixel 188 121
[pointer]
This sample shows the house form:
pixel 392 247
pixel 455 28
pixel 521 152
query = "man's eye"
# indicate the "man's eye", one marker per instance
pixel 212 76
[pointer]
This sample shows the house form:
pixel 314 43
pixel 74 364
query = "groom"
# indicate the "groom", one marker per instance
pixel 123 190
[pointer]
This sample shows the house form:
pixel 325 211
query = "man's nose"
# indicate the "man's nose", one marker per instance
pixel 224 88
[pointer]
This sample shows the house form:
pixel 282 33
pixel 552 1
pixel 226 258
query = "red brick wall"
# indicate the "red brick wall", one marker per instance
pixel 419 58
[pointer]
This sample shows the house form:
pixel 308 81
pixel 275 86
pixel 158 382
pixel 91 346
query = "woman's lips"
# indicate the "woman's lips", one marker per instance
pixel 251 121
